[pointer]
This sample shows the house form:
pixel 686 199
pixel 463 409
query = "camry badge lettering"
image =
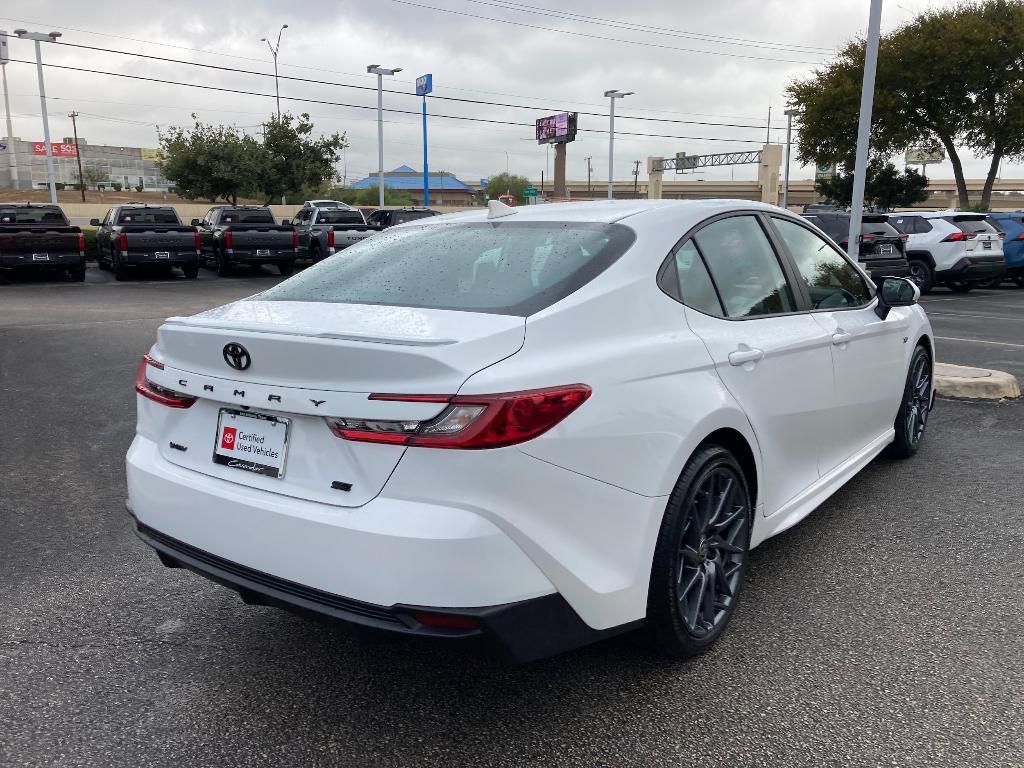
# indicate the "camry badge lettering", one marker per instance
pixel 317 403
pixel 237 356
pixel 273 398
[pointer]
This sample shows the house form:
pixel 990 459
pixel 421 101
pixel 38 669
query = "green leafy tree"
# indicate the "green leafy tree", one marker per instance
pixel 94 174
pixel 885 187
pixel 292 160
pixel 507 184
pixel 208 162
pixel 370 196
pixel 952 77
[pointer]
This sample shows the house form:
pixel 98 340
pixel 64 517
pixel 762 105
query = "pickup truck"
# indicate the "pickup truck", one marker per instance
pixel 389 217
pixel 325 231
pixel 138 235
pixel 39 236
pixel 246 234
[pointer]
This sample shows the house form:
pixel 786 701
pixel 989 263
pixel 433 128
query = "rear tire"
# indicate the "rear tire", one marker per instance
pixel 223 264
pixel 77 274
pixel 191 271
pixel 700 558
pixel 285 268
pixel 1019 281
pixel 314 253
pixel 120 270
pixel 961 287
pixel 912 417
pixel 921 273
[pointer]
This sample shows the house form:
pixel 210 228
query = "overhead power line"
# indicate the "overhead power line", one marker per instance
pixel 604 38
pixel 221 89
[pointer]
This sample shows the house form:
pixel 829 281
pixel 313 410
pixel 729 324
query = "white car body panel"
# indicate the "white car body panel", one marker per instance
pixel 575 511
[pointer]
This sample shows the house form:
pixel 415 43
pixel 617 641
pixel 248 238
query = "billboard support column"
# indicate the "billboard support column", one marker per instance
pixel 655 177
pixel 560 170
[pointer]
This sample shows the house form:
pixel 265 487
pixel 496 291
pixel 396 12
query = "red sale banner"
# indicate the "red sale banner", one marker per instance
pixel 58 150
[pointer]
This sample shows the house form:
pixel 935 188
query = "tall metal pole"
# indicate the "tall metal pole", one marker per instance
pixel 46 127
pixel 380 139
pixel 867 96
pixel 78 154
pixel 611 143
pixel 277 90
pixel 588 174
pixel 789 136
pixel 12 156
pixel 426 174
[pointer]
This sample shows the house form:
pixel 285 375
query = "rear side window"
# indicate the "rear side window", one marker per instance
pixel 970 224
pixel 32 215
pixel 745 268
pixel 695 286
pixel 507 268
pixel 878 228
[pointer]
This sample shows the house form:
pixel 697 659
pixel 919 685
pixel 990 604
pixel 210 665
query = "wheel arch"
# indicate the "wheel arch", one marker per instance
pixel 924 256
pixel 737 444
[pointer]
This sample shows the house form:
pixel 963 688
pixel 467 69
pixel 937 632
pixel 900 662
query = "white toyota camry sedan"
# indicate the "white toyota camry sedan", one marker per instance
pixel 539 426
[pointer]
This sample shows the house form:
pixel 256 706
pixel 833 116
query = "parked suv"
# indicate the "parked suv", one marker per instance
pixel 881 252
pixel 951 248
pixel 1011 225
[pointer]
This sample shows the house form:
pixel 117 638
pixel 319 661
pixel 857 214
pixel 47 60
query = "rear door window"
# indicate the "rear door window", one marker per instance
pixel 694 283
pixel 745 268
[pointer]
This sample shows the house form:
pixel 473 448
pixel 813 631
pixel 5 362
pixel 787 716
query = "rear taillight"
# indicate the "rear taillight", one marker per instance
pixel 1020 236
pixel 198 241
pixel 957 237
pixel 470 421
pixel 81 242
pixel 155 392
pixel 229 241
pixel 295 239
pixel 122 242
pixel 867 238
pixel 330 238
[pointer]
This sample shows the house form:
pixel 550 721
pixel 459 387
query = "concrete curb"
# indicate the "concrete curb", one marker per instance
pixel 974 383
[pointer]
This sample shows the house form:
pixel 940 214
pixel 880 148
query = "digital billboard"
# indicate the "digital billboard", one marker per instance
pixel 556 129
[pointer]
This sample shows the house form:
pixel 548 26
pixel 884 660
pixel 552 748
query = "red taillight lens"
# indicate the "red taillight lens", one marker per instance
pixel 81 242
pixel 470 421
pixel 198 241
pixel 155 392
pixel 330 238
pixel 295 239
pixel 122 242
pixel 867 238
pixel 447 620
pixel 229 240
pixel 1020 236
pixel 957 237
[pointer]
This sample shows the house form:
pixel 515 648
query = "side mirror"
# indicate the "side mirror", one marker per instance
pixel 94 222
pixel 197 222
pixel 896 292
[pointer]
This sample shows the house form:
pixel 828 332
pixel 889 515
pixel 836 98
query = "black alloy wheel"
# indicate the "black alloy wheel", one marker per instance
pixel 912 418
pixel 701 556
pixel 921 274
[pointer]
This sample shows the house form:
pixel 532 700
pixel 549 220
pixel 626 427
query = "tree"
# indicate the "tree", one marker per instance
pixel 950 77
pixel 210 162
pixel 885 187
pixel 507 183
pixel 94 174
pixel 369 196
pixel 291 160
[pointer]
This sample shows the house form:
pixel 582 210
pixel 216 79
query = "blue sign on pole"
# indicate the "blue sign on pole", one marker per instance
pixel 424 85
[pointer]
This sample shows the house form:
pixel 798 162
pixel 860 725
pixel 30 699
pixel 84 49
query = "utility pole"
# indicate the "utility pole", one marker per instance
pixel 78 154
pixel 589 169
pixel 768 130
pixel 636 176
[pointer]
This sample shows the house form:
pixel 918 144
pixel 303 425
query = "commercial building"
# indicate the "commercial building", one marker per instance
pixel 103 165
pixel 445 189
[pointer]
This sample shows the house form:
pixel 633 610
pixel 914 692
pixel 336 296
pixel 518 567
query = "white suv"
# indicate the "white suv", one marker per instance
pixel 951 248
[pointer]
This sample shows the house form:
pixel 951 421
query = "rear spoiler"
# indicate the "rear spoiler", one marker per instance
pixel 318 333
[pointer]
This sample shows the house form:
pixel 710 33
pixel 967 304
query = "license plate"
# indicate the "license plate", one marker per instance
pixel 253 442
pixel 162 254
pixel 885 249
pixel 262 252
pixel 987 245
pixel 40 257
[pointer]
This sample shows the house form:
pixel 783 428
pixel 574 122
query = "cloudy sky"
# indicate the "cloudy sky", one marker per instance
pixel 704 74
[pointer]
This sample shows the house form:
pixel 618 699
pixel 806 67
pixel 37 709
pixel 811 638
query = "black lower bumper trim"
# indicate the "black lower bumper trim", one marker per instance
pixel 975 268
pixel 523 631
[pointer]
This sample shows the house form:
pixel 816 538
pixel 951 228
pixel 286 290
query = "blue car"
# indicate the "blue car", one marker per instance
pixel 1011 224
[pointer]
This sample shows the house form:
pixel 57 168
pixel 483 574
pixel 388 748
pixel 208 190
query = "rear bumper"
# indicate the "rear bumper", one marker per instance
pixel 974 268
pixel 521 631
pixel 19 260
pixel 250 256
pixel 882 268
pixel 173 258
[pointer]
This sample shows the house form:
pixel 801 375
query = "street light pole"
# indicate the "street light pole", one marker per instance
pixel 273 52
pixel 789 135
pixel 379 71
pixel 612 96
pixel 12 157
pixel 867 96
pixel 47 37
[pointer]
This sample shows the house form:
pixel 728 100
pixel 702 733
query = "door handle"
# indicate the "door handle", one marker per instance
pixel 745 355
pixel 841 337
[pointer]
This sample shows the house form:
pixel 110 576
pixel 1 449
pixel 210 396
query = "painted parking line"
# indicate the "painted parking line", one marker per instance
pixel 967 314
pixel 981 341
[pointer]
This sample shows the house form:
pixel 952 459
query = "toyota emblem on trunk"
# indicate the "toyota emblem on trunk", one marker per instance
pixel 237 356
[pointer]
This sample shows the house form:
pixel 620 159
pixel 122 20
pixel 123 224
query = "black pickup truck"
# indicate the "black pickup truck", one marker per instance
pixel 246 234
pixel 137 235
pixel 39 237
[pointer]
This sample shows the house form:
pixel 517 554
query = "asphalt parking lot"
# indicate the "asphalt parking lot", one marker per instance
pixel 886 628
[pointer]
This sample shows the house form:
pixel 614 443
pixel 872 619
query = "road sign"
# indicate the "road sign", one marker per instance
pixel 924 156
pixel 824 170
pixel 530 191
pixel 4 58
pixel 424 84
pixel 484 183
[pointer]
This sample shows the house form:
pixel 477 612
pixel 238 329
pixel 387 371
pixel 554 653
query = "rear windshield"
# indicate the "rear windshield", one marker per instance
pixel 878 228
pixel 969 224
pixel 257 216
pixel 32 216
pixel 401 217
pixel 506 268
pixel 147 216
pixel 339 216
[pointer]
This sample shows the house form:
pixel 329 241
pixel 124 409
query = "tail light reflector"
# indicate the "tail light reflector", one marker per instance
pixel 447 620
pixel 330 238
pixel 198 241
pixel 470 422
pixel 81 242
pixel 155 392
pixel 229 240
pixel 122 242
pixel 295 239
